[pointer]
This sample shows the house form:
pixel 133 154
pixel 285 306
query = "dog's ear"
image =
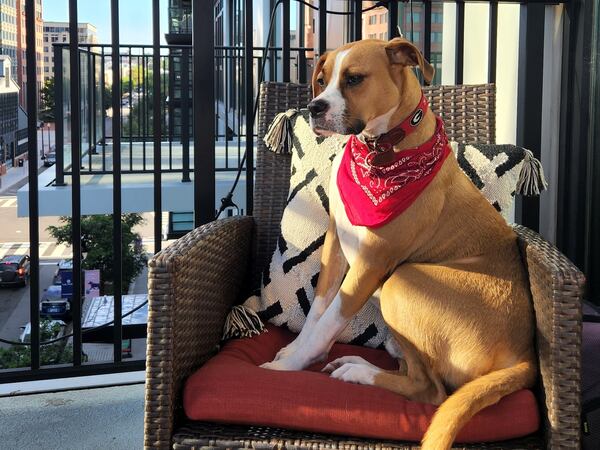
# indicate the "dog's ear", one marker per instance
pixel 401 51
pixel 318 67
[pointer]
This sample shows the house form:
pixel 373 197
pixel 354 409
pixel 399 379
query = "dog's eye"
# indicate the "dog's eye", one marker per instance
pixel 321 82
pixel 353 80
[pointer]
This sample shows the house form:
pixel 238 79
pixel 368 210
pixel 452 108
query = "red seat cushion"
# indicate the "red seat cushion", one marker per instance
pixel 231 388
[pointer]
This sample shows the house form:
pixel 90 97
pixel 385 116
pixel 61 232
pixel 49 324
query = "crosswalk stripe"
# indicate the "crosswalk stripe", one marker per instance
pixel 48 250
pixel 60 250
pixel 8 203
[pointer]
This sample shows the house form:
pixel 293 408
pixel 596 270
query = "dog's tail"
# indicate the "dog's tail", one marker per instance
pixel 471 398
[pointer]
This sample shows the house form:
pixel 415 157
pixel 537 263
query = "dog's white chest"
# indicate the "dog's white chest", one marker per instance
pixel 350 236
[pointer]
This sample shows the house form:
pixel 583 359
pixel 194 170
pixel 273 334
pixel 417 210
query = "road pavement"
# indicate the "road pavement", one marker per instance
pixel 14 303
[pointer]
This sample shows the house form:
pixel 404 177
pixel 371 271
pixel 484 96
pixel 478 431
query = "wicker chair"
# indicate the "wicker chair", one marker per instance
pixel 194 282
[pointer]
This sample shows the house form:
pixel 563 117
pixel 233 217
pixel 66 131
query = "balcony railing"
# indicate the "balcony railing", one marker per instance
pixel 189 109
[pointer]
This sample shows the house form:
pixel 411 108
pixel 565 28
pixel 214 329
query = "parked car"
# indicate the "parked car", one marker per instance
pixel 53 306
pixel 50 159
pixel 26 330
pixel 14 270
pixel 65 265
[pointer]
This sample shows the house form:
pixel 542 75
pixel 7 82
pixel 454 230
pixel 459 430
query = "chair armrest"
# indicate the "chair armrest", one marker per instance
pixel 192 285
pixel 557 288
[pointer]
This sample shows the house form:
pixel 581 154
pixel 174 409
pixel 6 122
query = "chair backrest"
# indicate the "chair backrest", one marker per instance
pixel 469 114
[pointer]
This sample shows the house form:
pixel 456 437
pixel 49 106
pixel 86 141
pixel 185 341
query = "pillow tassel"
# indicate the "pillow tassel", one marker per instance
pixel 531 179
pixel 242 322
pixel 278 137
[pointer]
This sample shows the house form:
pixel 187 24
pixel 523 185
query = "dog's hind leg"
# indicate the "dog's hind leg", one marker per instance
pixel 413 379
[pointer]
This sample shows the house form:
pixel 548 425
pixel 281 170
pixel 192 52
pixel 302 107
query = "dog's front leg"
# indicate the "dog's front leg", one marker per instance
pixel 363 278
pixel 333 269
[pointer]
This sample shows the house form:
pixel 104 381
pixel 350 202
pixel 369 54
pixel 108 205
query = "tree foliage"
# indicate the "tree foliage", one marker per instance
pixel 47 101
pixel 97 242
pixel 55 353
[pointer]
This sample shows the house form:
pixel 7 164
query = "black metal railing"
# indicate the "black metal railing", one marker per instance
pixel 206 117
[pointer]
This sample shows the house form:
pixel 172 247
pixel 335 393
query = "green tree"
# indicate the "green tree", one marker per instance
pixel 47 101
pixel 97 243
pixel 56 353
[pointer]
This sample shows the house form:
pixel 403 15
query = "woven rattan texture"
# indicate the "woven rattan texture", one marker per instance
pixel 192 285
pixel 200 435
pixel 557 287
pixel 468 113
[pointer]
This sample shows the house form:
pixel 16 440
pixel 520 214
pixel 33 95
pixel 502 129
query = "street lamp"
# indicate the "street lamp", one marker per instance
pixel 41 127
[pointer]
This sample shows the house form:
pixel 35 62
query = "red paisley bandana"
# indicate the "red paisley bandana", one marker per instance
pixel 374 195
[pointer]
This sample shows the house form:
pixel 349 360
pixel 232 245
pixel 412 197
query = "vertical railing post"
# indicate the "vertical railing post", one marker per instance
pixel 493 41
pixel 322 26
pixel 32 154
pixel 59 123
pixel 427 31
pixel 460 42
pixel 75 77
pixel 102 109
pixel 185 114
pixel 285 41
pixel 249 81
pixel 203 38
pixel 117 207
pixel 357 19
pixel 392 19
pixel 530 100
pixel 156 124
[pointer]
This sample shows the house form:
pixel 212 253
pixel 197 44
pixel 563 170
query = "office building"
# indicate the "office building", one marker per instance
pixel 58 33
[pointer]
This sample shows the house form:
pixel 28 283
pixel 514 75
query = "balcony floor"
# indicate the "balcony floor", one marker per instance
pixel 89 419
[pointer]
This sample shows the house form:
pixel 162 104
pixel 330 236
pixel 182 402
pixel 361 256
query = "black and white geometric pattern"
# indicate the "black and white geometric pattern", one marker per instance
pixel 290 279
pixel 494 169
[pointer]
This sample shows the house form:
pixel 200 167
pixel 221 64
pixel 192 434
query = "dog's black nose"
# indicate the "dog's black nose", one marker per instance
pixel 317 108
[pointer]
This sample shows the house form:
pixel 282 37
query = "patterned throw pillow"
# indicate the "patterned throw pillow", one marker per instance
pixel 289 280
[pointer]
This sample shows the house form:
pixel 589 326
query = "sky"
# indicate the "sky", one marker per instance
pixel 135 18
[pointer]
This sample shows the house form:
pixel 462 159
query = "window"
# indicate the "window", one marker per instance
pixel 416 17
pixel 383 18
pixel 383 36
pixel 436 37
pixel 414 36
pixel 372 36
pixel 372 20
pixel 436 17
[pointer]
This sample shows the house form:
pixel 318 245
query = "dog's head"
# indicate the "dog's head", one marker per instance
pixel 360 85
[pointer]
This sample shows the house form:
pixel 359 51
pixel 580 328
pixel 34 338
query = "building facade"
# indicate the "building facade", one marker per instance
pixel 20 71
pixel 8 32
pixel 9 113
pixel 58 33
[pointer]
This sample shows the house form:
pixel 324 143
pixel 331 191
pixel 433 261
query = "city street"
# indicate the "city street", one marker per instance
pixel 14 303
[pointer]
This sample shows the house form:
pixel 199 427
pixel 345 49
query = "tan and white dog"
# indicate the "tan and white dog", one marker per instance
pixel 447 271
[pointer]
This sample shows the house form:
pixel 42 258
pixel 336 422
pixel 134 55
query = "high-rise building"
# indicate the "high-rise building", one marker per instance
pixel 8 32
pixel 20 72
pixel 9 112
pixel 58 33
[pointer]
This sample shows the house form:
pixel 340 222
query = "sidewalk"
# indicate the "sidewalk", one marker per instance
pixel 16 177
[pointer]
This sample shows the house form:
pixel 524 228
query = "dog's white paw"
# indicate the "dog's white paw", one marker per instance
pixel 337 363
pixel 356 373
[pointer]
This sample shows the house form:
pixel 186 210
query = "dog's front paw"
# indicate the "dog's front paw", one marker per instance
pixel 288 350
pixel 358 373
pixel 295 361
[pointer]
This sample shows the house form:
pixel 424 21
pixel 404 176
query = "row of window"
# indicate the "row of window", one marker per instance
pixel 415 36
pixel 11 3
pixel 8 18
pixel 8 36
pixel 436 17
